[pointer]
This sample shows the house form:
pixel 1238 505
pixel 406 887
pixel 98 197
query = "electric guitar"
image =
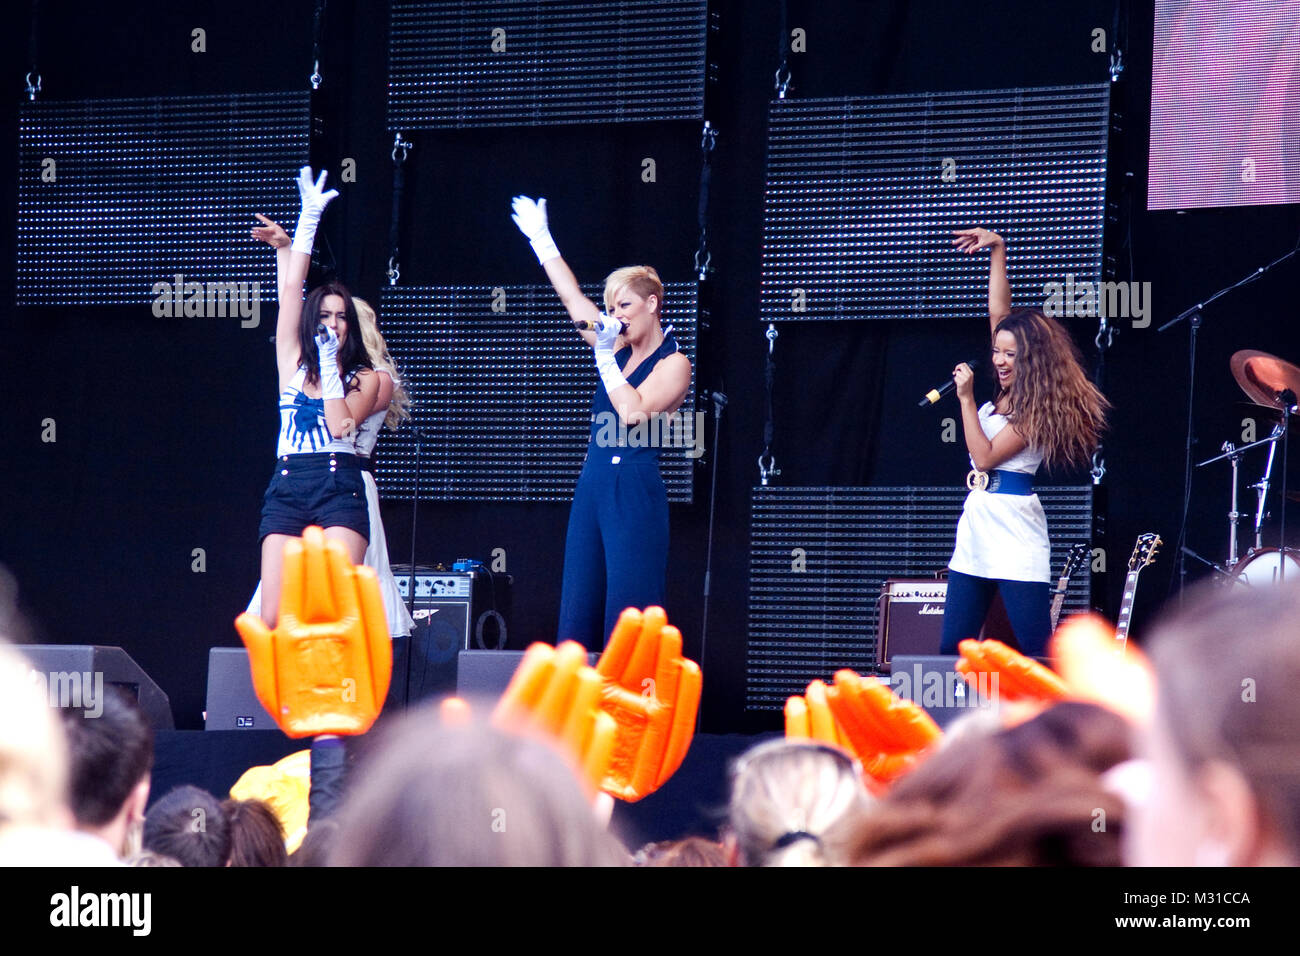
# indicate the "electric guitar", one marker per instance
pixel 1072 562
pixel 1144 553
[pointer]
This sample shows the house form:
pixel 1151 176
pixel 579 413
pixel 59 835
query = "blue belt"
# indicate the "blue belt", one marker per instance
pixel 1001 482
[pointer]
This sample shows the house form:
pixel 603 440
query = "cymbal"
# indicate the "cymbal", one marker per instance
pixel 1263 376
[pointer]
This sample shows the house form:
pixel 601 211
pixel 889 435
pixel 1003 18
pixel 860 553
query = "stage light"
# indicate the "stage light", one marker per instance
pixel 863 194
pixel 502 384
pixel 116 195
pixel 494 63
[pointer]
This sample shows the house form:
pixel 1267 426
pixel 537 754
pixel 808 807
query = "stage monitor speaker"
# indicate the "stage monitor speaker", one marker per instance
pixel 932 681
pixel 68 667
pixel 488 673
pixel 232 703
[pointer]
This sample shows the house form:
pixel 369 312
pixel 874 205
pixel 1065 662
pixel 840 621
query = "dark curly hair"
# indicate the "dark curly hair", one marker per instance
pixel 352 350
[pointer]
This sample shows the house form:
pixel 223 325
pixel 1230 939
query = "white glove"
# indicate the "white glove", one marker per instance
pixel 314 201
pixel 530 217
pixel 331 385
pixel 606 363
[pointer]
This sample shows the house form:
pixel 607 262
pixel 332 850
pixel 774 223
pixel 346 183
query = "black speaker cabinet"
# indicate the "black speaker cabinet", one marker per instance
pixel 231 702
pixel 454 611
pixel 68 668
pixel 933 682
pixel 488 673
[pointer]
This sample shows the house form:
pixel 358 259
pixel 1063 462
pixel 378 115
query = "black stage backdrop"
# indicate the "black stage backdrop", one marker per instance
pixel 165 428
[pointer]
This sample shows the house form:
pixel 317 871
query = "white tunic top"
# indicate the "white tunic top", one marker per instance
pixel 1004 536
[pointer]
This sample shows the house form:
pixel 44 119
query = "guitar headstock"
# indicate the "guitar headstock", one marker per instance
pixel 1144 552
pixel 1075 558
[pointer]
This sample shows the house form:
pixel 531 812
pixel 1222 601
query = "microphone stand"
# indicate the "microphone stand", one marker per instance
pixel 1193 317
pixel 1287 399
pixel 719 403
pixel 420 437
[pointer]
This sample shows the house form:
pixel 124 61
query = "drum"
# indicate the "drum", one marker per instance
pixel 1262 568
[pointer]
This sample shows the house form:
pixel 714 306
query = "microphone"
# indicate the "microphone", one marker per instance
pixel 322 334
pixel 590 325
pixel 939 391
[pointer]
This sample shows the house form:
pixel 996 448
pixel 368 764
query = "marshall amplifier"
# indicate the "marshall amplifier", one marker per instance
pixel 911 618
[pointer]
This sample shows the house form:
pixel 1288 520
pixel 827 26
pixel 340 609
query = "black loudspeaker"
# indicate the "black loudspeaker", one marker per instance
pixel 232 703
pixel 933 682
pixel 74 673
pixel 454 611
pixel 487 673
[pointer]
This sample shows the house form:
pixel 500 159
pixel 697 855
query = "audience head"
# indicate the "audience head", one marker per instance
pixel 794 803
pixel 467 795
pixel 111 756
pixel 1029 795
pixel 1223 748
pixel 256 836
pixel 189 825
pixel 149 858
pixel 33 752
pixel 692 851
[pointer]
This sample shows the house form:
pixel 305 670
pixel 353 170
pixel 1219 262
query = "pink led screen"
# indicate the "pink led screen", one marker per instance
pixel 1225 104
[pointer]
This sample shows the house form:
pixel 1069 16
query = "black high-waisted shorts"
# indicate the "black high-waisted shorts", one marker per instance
pixel 323 488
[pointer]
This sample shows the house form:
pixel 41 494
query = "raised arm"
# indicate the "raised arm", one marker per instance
pixel 286 327
pixel 292 263
pixel 531 219
pixel 967 241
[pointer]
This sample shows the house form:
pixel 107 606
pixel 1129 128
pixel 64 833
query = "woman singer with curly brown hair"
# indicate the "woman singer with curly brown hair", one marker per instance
pixel 1044 411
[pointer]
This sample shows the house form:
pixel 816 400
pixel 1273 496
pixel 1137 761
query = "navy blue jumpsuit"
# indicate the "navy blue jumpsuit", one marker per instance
pixel 616 548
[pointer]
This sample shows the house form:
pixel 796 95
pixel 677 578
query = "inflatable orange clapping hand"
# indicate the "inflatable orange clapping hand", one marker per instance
pixel 1101 670
pixel 555 691
pixel 1011 675
pixel 653 694
pixel 861 715
pixel 325 668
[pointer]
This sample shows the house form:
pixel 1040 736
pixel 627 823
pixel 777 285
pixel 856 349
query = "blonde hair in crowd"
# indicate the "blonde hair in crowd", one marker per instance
pixel 33 751
pixel 808 794
pixel 643 280
pixel 399 408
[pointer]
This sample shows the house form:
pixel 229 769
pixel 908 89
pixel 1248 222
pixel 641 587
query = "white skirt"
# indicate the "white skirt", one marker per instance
pixel 1003 537
pixel 399 619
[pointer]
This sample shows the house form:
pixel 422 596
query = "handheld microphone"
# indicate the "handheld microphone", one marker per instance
pixel 939 391
pixel 590 325
pixel 322 334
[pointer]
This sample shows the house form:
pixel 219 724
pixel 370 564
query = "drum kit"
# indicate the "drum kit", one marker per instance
pixel 1273 384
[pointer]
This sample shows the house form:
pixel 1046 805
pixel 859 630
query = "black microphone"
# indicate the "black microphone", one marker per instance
pixel 591 325
pixel 939 391
pixel 322 334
